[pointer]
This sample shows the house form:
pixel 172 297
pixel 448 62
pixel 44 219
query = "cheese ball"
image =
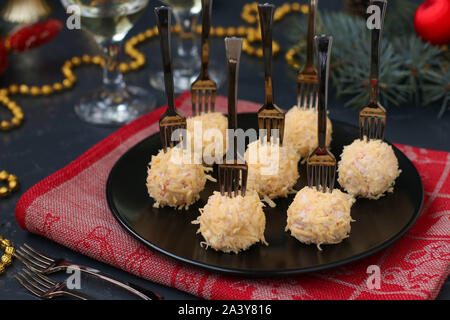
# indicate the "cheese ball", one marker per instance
pixel 208 121
pixel 272 169
pixel 318 217
pixel 301 130
pixel 368 169
pixel 172 181
pixel 232 224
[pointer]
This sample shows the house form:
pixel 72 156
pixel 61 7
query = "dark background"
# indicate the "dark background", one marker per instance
pixel 53 136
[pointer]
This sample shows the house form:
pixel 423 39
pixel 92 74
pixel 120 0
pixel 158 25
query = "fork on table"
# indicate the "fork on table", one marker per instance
pixel 203 89
pixel 321 164
pixel 307 79
pixel 43 264
pixel 46 288
pixel 372 118
pixel 233 176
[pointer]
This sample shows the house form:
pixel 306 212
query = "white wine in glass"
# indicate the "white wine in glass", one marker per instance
pixel 109 21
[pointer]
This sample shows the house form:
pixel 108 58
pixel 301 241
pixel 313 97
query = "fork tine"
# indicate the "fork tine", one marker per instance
pixel 382 127
pixel 228 181
pixel 47 279
pixel 32 282
pixel 236 177
pixel 194 101
pixel 207 103
pixel 33 265
pixel 36 257
pixel 213 100
pixel 244 182
pixel 311 95
pixel 28 287
pixel 362 126
pixel 36 279
pixel 40 254
pixel 300 96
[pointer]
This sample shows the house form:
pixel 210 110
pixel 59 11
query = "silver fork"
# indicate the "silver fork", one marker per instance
pixel 372 118
pixel 44 287
pixel 203 90
pixel 321 164
pixel 171 120
pixel 307 80
pixel 233 174
pixel 44 264
pixel 270 116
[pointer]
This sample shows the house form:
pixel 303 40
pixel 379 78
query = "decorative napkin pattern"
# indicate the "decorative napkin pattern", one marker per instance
pixel 70 208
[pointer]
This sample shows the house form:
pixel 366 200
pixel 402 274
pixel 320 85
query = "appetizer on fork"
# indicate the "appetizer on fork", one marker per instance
pixel 369 167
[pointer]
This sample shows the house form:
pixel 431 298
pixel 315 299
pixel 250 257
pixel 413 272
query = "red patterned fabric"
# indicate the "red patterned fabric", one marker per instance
pixel 70 208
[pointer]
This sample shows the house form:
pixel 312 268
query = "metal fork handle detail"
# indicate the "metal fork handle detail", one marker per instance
pixel 375 50
pixel 266 12
pixel 130 287
pixel 163 20
pixel 206 26
pixel 323 48
pixel 233 48
pixel 310 35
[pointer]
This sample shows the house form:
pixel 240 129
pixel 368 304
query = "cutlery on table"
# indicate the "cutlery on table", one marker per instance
pixel 203 89
pixel 171 120
pixel 233 176
pixel 46 288
pixel 307 80
pixel 372 118
pixel 321 164
pixel 270 116
pixel 43 264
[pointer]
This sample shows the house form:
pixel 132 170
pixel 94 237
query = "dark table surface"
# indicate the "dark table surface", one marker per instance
pixel 53 136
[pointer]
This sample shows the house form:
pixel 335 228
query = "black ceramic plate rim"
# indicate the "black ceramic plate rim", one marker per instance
pixel 265 273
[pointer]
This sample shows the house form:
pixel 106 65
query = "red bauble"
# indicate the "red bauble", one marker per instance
pixel 432 21
pixel 3 57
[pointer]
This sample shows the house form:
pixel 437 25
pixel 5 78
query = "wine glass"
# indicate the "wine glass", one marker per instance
pixel 186 56
pixel 108 21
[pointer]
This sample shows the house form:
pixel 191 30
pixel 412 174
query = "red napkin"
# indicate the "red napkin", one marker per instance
pixel 70 208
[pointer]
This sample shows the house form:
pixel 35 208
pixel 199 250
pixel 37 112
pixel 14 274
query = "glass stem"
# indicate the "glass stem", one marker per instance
pixel 112 77
pixel 187 52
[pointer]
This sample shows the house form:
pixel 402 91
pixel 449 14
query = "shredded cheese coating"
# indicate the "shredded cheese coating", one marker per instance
pixel 174 182
pixel 272 170
pixel 320 218
pixel 232 224
pixel 301 130
pixel 210 120
pixel 368 169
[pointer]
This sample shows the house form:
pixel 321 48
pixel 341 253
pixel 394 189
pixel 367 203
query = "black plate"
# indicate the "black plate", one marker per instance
pixel 378 223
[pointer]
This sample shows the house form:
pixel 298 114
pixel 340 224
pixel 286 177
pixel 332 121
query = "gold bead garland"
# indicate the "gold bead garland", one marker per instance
pixel 250 34
pixel 6 258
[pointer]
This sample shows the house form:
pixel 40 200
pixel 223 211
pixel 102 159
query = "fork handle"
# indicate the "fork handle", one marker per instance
pixel 375 49
pixel 128 286
pixel 310 35
pixel 323 49
pixel 206 26
pixel 163 20
pixel 266 22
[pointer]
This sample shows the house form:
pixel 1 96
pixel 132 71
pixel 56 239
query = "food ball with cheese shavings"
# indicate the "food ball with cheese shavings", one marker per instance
pixel 173 180
pixel 301 130
pixel 368 168
pixel 320 218
pixel 232 224
pixel 208 121
pixel 272 170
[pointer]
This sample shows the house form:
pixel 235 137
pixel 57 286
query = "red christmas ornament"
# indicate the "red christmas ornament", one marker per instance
pixel 432 21
pixel 3 57
pixel 31 36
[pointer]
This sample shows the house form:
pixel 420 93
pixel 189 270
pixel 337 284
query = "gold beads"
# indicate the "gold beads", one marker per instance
pixel 12 185
pixel 7 257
